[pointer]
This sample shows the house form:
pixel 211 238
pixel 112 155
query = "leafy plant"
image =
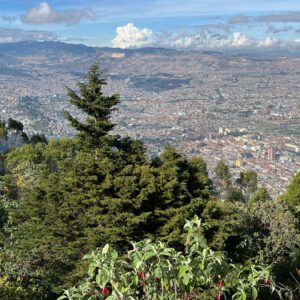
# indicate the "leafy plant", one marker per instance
pixel 156 271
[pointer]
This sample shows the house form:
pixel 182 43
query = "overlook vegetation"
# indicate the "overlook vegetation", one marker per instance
pixel 64 199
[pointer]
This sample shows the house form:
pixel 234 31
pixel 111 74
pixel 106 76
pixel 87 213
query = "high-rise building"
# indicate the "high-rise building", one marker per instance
pixel 271 154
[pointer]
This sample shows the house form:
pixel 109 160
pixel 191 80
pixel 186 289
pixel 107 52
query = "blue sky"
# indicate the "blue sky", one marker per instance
pixel 193 24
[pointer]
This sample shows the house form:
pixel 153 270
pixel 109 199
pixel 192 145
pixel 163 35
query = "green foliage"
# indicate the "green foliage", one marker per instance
pixel 12 134
pixel 261 195
pixel 222 225
pixel 248 183
pixel 73 201
pixel 95 105
pixel 184 188
pixel 272 232
pixel 15 125
pixel 235 194
pixel 223 174
pixel 38 138
pixel 292 195
pixel 155 271
pixel 271 236
pixel 3 129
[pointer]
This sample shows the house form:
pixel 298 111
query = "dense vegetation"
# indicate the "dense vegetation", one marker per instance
pixel 60 200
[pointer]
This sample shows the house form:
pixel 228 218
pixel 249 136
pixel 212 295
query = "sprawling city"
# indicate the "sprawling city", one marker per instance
pixel 241 109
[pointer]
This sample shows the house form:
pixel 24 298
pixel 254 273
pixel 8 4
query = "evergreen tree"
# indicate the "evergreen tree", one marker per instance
pixel 95 105
pixel 184 189
pixel 222 219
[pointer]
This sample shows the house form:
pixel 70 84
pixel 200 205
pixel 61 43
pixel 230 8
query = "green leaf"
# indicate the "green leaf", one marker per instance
pixel 254 293
pixel 186 279
pixel 98 280
pixel 148 255
pixel 182 270
pixel 105 249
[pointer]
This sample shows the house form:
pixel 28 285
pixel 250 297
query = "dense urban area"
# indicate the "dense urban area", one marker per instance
pixel 241 109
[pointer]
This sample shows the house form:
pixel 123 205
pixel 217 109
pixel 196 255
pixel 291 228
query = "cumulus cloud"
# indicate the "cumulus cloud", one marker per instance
pixel 268 42
pixel 240 40
pixel 9 35
pixel 209 40
pixel 185 42
pixel 45 14
pixel 130 36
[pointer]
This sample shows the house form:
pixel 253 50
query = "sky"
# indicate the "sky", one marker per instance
pixel 193 24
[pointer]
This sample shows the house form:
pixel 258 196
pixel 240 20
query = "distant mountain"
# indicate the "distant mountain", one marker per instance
pixel 34 47
pixel 59 48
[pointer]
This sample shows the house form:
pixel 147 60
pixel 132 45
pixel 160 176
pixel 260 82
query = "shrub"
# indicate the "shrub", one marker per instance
pixel 155 271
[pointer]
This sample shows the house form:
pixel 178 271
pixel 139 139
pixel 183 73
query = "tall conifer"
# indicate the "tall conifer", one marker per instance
pixel 95 105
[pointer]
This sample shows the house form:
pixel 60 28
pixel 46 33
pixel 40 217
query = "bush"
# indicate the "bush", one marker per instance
pixel 155 271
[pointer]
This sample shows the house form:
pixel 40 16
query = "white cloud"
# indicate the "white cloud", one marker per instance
pixel 268 42
pixel 130 36
pixel 45 14
pixel 185 42
pixel 297 40
pixel 240 40
pixel 208 40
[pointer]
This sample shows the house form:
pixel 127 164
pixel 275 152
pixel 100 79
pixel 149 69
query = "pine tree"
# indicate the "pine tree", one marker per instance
pixel 95 105
pixel 185 189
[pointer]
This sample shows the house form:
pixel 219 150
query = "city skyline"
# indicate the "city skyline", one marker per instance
pixel 217 25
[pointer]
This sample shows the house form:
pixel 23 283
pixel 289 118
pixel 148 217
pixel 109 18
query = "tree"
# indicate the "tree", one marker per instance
pixel 38 138
pixel 184 188
pixel 222 225
pixel 292 195
pixel 271 231
pixel 234 194
pixel 261 195
pixel 223 174
pixel 15 125
pixel 95 105
pixel 248 183
pixel 271 236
